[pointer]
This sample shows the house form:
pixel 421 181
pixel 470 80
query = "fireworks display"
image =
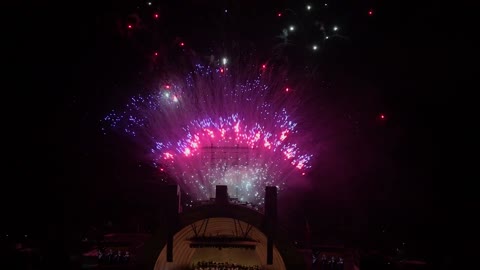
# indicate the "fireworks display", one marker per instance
pixel 333 102
pixel 226 122
pixel 213 127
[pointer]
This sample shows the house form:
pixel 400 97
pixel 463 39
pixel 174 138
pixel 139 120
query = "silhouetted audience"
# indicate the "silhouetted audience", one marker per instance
pixel 222 266
pixel 323 262
pixel 111 257
pixel 340 264
pixel 331 264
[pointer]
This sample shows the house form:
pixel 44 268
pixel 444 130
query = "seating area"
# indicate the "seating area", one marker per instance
pixel 223 266
pixel 113 257
pixel 331 263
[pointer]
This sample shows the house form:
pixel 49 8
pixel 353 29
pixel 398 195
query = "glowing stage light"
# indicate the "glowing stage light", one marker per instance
pixel 182 44
pixel 279 14
pixel 370 12
pixel 309 7
pixel 314 47
pixel 264 66
pixel 149 3
pixel 155 53
pixel 129 26
pixel 335 28
pixel 156 15
pixel 292 28
pixel 224 61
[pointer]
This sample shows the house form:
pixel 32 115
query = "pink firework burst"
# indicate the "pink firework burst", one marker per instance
pixel 212 128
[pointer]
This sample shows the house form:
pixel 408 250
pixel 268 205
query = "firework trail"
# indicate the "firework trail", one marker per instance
pixel 214 125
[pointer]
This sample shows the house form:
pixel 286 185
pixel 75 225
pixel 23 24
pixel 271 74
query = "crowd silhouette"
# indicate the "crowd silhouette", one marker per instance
pixel 113 257
pixel 331 264
pixel 203 265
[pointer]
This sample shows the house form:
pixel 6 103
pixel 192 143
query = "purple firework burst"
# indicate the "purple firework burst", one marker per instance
pixel 217 127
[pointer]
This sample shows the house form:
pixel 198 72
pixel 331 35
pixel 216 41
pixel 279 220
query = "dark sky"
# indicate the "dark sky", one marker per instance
pixel 70 64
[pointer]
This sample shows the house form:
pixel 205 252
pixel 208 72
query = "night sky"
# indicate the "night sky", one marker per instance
pixel 72 63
